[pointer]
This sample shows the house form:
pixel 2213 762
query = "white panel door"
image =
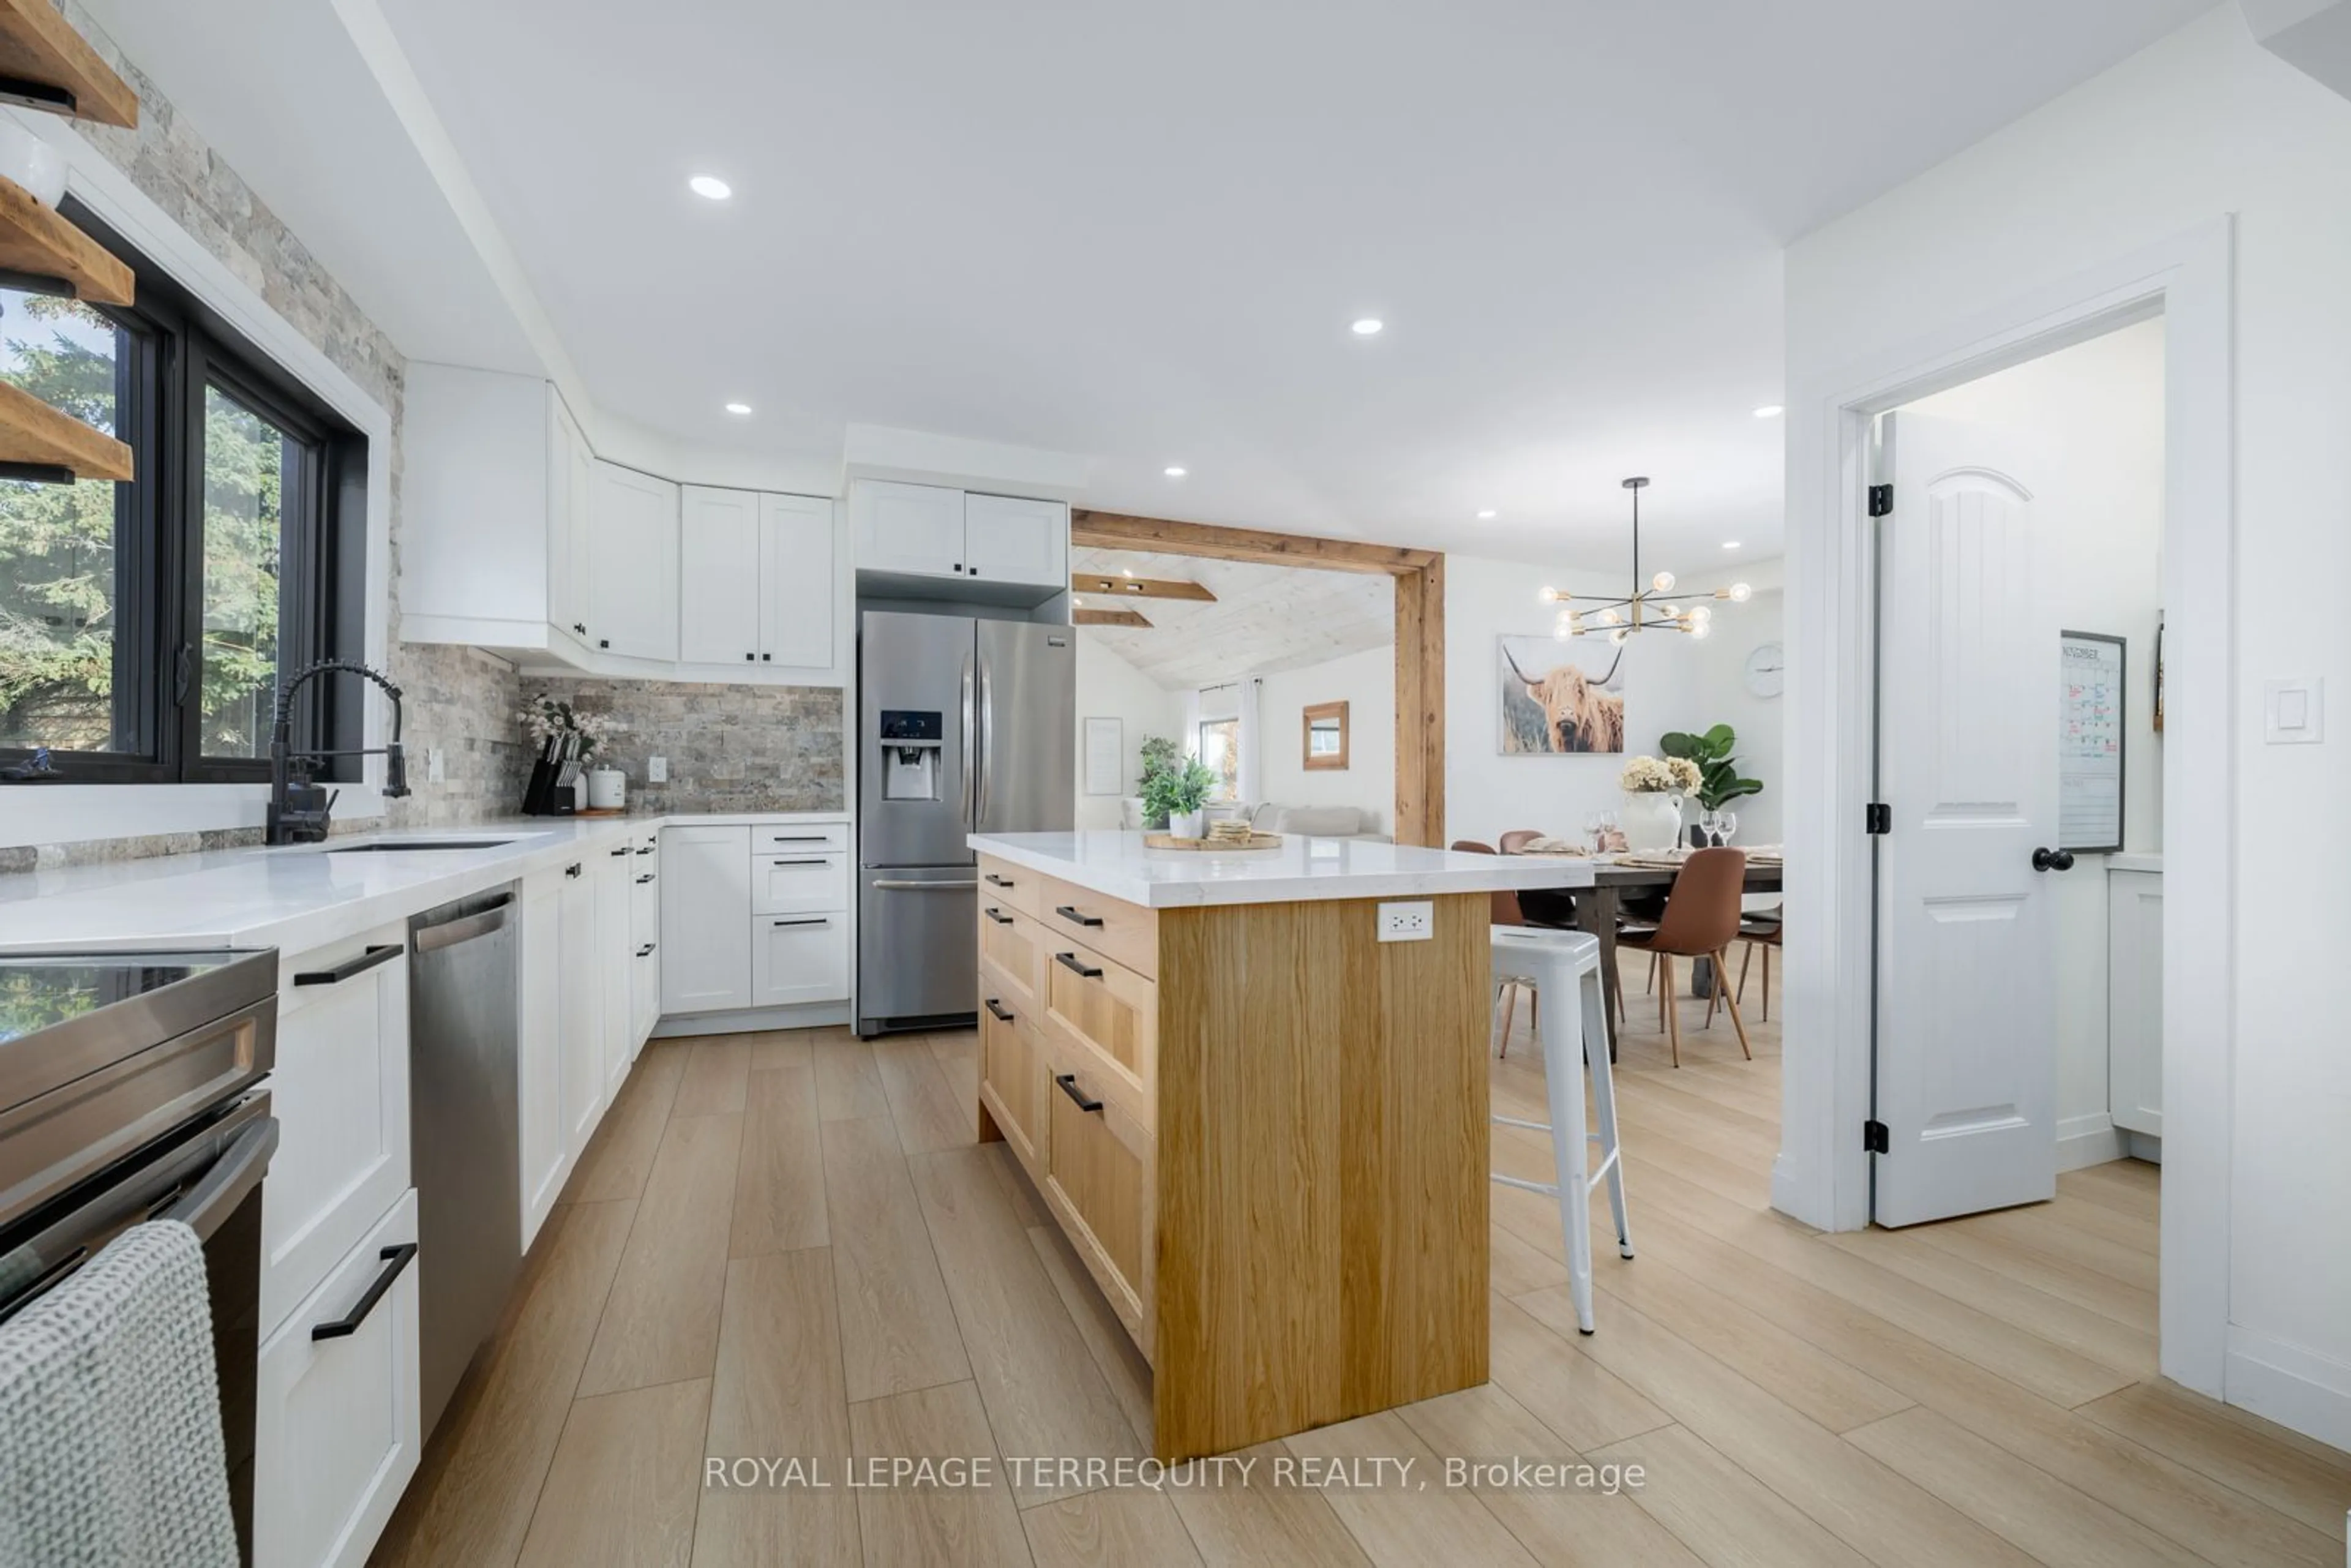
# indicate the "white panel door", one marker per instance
pixel 798 597
pixel 2134 999
pixel 705 923
pixel 632 568
pixel 1007 539
pixel 541 1068
pixel 1966 761
pixel 580 1007
pixel 719 576
pixel 914 529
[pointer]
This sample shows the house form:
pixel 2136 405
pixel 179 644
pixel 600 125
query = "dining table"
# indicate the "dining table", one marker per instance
pixel 1600 908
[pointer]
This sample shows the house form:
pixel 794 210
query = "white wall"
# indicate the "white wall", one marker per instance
pixel 2095 413
pixel 2201 124
pixel 1670 683
pixel 1365 682
pixel 1110 687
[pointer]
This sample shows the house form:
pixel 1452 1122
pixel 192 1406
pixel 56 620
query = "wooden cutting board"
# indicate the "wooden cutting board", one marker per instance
pixel 1211 846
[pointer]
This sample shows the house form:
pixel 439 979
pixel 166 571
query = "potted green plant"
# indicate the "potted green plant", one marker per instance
pixel 1175 795
pixel 1719 781
pixel 1157 753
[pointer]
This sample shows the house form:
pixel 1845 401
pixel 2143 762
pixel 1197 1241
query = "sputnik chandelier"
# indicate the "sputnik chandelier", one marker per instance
pixel 1643 610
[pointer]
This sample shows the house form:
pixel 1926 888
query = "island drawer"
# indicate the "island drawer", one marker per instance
pixel 1102 1180
pixel 1014 941
pixel 1126 932
pixel 1002 882
pixel 1107 1010
pixel 1012 1077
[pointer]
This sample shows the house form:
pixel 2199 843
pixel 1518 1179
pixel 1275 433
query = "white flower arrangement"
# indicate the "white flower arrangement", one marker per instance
pixel 551 721
pixel 1648 775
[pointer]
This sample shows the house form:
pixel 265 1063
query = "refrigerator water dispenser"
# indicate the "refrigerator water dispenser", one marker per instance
pixel 910 745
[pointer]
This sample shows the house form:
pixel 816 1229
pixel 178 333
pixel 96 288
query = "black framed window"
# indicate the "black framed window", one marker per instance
pixel 143 625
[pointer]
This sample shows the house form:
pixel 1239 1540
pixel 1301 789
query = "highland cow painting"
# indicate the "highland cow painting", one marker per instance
pixel 1560 697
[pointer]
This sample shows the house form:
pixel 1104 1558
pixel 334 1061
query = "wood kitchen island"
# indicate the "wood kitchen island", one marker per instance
pixel 1262 1128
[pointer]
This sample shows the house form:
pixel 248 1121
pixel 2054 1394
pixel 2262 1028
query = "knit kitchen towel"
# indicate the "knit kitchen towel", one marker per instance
pixel 111 1450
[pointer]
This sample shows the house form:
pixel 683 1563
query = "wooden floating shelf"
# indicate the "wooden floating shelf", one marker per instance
pixel 41 442
pixel 1141 587
pixel 36 241
pixel 45 65
pixel 1109 618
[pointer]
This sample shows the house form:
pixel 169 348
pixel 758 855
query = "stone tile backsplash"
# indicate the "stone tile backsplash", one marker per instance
pixel 730 747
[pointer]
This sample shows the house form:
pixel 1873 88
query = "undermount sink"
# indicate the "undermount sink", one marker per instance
pixel 417 846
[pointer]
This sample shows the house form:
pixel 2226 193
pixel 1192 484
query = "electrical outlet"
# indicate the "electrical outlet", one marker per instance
pixel 656 770
pixel 1412 922
pixel 436 767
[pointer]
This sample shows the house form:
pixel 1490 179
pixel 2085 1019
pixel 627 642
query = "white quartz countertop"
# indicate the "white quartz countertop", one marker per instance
pixel 1118 865
pixel 301 897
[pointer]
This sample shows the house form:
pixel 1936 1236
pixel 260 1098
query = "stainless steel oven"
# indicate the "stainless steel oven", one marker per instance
pixel 130 1090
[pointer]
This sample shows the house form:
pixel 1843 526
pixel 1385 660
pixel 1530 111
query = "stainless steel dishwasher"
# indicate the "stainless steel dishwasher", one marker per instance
pixel 464 1130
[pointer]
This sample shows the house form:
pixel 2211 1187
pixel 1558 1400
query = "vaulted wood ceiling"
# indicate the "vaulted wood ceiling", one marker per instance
pixel 1264 619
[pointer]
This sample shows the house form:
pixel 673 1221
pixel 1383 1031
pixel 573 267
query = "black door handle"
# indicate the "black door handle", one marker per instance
pixel 350 967
pixel 1069 960
pixel 2053 860
pixel 1069 1082
pixel 996 1007
pixel 1075 918
pixel 1000 919
pixel 342 1327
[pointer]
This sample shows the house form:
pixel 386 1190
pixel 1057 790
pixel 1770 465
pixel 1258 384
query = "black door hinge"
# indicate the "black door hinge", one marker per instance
pixel 1878 817
pixel 1874 1139
pixel 1881 500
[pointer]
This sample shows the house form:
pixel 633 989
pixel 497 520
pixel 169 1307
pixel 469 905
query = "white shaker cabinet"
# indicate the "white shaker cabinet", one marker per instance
pixel 571 486
pixel 633 566
pixel 798 601
pixel 913 530
pixel 2134 999
pixel 706 950
pixel 579 1005
pixel 1008 539
pixel 613 965
pixel 719 585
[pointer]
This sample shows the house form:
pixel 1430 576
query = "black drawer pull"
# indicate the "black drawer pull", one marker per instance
pixel 646 951
pixel 342 1327
pixel 350 967
pixel 818 860
pixel 818 920
pixel 646 851
pixel 1073 918
pixel 619 852
pixel 1069 961
pixel 1000 919
pixel 995 881
pixel 1069 1082
pixel 799 839
pixel 644 879
pixel 998 1008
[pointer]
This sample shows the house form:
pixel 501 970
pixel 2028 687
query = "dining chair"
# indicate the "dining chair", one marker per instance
pixel 1701 919
pixel 1760 929
pixel 1506 910
pixel 1518 839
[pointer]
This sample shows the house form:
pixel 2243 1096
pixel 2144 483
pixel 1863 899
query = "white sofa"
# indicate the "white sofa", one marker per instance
pixel 1317 821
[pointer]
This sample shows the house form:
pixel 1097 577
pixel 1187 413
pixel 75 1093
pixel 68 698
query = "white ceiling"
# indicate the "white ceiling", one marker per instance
pixel 1139 232
pixel 1265 619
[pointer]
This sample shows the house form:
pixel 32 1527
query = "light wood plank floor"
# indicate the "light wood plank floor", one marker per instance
pixel 789 1245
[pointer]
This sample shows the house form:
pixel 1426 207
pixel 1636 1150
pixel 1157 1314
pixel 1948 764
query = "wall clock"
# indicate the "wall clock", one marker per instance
pixel 1767 670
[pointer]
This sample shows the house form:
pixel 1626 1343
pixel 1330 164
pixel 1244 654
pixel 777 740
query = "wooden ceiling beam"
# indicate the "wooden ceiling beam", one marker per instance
pixel 1119 530
pixel 1139 587
pixel 1110 618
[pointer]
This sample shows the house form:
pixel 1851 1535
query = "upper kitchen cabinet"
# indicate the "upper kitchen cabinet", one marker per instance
pixel 519 539
pixel 757 580
pixel 924 541
pixel 632 564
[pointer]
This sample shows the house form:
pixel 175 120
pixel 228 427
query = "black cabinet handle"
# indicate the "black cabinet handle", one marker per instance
pixel 798 839
pixel 1073 918
pixel 342 1327
pixel 995 881
pixel 959 566
pixel 646 951
pixel 1069 961
pixel 1000 918
pixel 814 920
pixel 998 1008
pixel 572 870
pixel 646 851
pixel 603 642
pixel 350 967
pixel 766 657
pixel 973 572
pixel 1069 1082
pixel 644 879
pixel 576 626
pixel 620 851
pixel 818 860
pixel 748 658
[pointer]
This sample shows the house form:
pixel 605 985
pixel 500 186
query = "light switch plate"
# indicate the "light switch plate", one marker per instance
pixel 1409 922
pixel 436 767
pixel 656 770
pixel 2294 712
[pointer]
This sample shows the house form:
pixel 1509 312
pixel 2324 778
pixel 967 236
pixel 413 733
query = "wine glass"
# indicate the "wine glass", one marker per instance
pixel 1710 823
pixel 1728 823
pixel 1607 827
pixel 1592 830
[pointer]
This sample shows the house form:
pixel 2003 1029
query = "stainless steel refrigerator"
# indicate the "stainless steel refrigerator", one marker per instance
pixel 965 726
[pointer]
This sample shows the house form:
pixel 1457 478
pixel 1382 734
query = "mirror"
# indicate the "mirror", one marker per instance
pixel 1326 736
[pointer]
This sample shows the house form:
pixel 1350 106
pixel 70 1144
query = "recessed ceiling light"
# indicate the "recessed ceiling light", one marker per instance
pixel 1367 327
pixel 710 186
pixel 1173 471
pixel 739 408
pixel 1769 410
pixel 1488 516
pixel 1730 544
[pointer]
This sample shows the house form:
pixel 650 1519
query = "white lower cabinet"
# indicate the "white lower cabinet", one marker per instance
pixel 613 964
pixel 706 919
pixel 339 1091
pixel 539 1066
pixel 336 1413
pixel 644 939
pixel 579 1006
pixel 799 958
pixel 2134 999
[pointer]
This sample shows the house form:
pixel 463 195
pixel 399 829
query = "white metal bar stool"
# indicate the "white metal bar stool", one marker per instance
pixel 1568 962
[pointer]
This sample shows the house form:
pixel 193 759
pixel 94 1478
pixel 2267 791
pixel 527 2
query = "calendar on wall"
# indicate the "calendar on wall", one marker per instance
pixel 2090 714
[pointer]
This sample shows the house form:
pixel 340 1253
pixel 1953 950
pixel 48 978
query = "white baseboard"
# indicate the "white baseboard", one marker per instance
pixel 2091 1140
pixel 2288 1384
pixel 2146 1147
pixel 806 1015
